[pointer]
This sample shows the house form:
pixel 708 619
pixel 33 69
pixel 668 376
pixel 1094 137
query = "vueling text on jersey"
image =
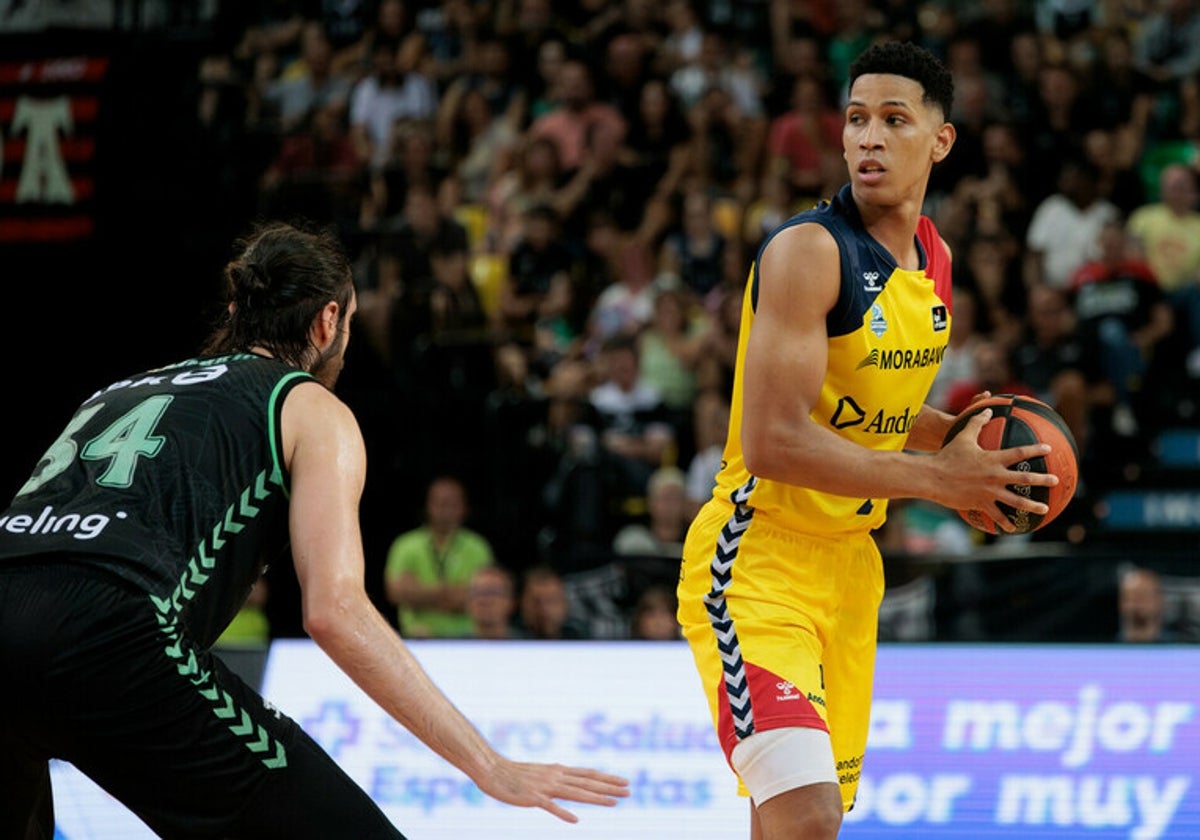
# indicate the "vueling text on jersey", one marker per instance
pixel 47 522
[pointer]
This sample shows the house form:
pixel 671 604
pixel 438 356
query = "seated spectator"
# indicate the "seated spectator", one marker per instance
pixel 1167 233
pixel 1051 358
pixel 316 172
pixel 414 235
pixel 428 569
pixel 312 85
pixel 694 250
pixel 480 142
pixel 722 93
pixel 1065 228
pixel 534 177
pixel 1115 154
pixel 456 309
pixel 491 603
pixel 543 609
pixel 539 262
pixel 663 532
pixel 625 305
pixel 684 35
pixel 805 142
pixel 1140 607
pixel 720 353
pixel 489 74
pixel 990 266
pixel 411 159
pixel 1123 316
pixel 582 495
pixel 671 344
pixel 394 91
pixel 711 425
pixel 455 356
pixel 635 435
pixel 653 617
pixel 578 114
pixel 657 153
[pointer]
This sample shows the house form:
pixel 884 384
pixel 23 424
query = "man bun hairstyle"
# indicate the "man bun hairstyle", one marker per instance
pixel 281 278
pixel 904 58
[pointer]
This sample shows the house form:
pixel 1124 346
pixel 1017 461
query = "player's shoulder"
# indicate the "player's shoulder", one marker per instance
pixel 310 408
pixel 802 231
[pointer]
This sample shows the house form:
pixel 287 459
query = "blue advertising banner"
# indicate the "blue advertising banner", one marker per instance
pixel 976 741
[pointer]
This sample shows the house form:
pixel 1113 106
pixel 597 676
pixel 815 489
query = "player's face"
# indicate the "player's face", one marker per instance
pixel 892 138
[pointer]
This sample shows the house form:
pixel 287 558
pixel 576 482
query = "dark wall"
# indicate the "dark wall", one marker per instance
pixel 126 297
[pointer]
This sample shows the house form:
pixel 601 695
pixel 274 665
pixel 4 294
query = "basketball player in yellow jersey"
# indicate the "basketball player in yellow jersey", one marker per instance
pixel 846 317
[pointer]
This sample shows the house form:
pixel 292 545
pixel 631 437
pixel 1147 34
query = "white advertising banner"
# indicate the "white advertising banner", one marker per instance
pixel 967 741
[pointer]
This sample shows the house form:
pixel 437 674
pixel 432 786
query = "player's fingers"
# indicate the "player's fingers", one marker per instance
pixel 1003 523
pixel 598 782
pixel 559 811
pixel 1018 457
pixel 592 791
pixel 1022 501
pixel 975 424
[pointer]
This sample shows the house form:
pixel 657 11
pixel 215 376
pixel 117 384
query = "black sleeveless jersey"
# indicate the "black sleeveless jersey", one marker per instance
pixel 173 480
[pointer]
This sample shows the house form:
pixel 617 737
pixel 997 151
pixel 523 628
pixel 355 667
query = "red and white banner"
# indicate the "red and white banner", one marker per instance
pixel 50 109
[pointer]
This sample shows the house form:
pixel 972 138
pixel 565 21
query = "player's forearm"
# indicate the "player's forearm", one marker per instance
pixel 930 429
pixel 822 460
pixel 360 642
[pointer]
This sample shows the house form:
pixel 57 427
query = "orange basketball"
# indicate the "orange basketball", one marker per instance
pixel 1019 421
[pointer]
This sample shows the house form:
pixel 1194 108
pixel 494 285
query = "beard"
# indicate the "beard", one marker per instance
pixel 328 365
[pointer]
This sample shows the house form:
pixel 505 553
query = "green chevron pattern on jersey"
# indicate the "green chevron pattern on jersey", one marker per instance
pixel 257 740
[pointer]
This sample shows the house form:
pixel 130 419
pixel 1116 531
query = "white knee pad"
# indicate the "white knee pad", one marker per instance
pixel 778 760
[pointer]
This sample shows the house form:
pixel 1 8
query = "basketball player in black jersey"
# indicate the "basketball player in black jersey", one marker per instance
pixel 141 532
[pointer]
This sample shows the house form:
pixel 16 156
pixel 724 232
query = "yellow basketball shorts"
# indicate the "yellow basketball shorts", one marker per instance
pixel 782 626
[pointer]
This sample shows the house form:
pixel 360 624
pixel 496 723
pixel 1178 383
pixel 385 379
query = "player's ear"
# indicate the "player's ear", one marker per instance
pixel 943 141
pixel 325 325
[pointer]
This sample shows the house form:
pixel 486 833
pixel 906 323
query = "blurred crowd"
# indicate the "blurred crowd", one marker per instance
pixel 552 207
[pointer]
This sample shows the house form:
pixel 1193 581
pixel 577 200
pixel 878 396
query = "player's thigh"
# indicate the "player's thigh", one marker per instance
pixel 189 747
pixel 849 664
pixel 314 800
pixel 755 616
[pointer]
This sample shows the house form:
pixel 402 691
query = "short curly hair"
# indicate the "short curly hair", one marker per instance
pixel 903 58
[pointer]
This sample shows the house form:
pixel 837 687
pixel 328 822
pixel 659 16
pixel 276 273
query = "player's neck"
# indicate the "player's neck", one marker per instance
pixel 895 228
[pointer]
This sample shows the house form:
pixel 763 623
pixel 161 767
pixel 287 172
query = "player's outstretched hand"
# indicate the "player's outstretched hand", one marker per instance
pixel 539 785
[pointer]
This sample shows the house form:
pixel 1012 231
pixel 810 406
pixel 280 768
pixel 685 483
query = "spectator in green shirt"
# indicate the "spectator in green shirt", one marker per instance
pixel 429 568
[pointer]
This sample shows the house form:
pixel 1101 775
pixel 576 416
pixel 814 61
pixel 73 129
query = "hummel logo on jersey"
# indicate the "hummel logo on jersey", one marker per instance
pixel 941 318
pixel 871 278
pixel 786 690
pixel 879 324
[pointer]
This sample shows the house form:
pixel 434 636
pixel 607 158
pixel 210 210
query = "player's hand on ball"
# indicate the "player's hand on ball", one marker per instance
pixel 980 479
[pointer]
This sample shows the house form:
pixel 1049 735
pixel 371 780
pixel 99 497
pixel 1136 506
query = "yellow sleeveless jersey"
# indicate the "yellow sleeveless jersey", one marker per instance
pixel 887 336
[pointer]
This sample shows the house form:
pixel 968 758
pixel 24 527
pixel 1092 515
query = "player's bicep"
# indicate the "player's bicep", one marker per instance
pixel 787 348
pixel 327 462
